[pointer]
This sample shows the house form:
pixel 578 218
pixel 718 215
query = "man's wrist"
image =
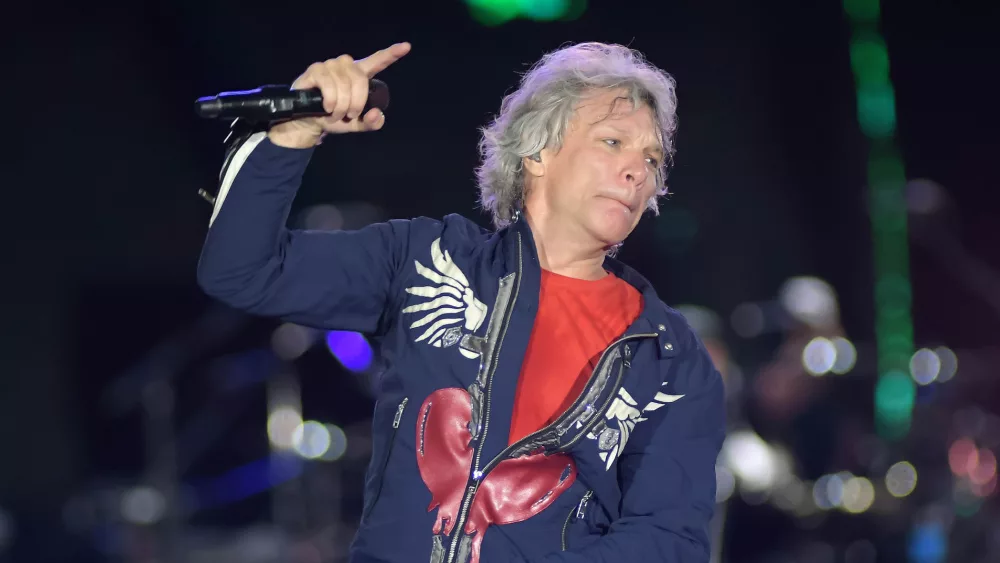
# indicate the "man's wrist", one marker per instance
pixel 294 139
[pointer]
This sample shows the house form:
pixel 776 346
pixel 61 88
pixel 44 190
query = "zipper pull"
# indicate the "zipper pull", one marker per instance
pixel 627 355
pixel 581 510
pixel 399 413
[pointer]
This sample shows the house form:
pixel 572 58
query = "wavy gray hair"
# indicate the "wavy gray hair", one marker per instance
pixel 536 115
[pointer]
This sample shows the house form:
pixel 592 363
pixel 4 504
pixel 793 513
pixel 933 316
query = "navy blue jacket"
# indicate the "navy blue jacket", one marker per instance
pixel 626 474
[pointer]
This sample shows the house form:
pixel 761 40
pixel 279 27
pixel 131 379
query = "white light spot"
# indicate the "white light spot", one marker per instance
pixel 311 439
pixel 846 357
pixel 143 505
pixel 828 491
pixel 949 363
pixel 901 479
pixel 338 443
pixel 289 341
pixel 859 494
pixel 811 301
pixel 751 460
pixel 819 356
pixel 925 366
pixel 281 426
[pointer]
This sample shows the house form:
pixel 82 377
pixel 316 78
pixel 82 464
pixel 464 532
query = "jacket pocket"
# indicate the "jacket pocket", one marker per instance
pixel 578 512
pixel 380 476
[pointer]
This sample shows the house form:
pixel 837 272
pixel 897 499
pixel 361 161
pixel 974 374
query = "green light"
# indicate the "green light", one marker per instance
pixel 870 61
pixel 877 111
pixel 895 392
pixel 862 10
pixel 894 397
pixel 498 12
pixel 493 12
pixel 544 10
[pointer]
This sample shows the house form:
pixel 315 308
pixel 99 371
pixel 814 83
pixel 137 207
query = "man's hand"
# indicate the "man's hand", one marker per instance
pixel 344 84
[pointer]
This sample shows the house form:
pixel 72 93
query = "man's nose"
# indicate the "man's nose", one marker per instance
pixel 636 171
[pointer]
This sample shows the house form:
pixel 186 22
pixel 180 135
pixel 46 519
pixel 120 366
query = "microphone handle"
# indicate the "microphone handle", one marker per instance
pixel 312 99
pixel 280 102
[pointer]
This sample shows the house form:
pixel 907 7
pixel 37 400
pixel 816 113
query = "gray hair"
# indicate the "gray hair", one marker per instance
pixel 536 115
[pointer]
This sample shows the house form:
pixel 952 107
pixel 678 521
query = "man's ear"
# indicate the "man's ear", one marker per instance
pixel 533 164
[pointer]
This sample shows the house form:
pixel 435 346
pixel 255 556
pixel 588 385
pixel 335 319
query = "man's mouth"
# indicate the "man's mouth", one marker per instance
pixel 622 203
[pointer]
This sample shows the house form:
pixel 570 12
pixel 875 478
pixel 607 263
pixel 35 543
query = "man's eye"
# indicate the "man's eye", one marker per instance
pixel 653 162
pixel 612 142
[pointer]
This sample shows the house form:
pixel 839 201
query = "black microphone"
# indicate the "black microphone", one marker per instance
pixel 278 101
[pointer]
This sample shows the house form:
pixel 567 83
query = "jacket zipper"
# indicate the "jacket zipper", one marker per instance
pixel 580 510
pixel 590 424
pixel 477 475
pixel 392 441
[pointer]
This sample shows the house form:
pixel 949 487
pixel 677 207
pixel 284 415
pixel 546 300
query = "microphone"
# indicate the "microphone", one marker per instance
pixel 278 101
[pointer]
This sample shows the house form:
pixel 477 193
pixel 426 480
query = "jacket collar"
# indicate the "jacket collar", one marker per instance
pixel 655 316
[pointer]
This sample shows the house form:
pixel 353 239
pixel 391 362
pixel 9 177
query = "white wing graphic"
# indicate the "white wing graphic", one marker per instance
pixel 450 300
pixel 623 411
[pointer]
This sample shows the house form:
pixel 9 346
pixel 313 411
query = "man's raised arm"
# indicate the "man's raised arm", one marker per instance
pixel 252 261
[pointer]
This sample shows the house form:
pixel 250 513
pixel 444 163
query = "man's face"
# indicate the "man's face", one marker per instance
pixel 597 184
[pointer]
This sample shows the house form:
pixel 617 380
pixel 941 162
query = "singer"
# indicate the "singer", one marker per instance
pixel 542 404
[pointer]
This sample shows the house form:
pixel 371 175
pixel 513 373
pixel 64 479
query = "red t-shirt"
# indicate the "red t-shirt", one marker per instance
pixel 576 321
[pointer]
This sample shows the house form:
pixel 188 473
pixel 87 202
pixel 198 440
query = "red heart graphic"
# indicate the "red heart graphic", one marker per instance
pixel 515 490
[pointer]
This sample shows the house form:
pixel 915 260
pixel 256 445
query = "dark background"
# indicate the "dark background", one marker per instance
pixel 105 225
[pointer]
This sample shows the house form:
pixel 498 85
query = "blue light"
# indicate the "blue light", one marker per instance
pixel 247 480
pixel 350 348
pixel 928 543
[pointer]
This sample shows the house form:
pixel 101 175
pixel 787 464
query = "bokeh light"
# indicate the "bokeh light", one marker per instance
pixel 311 439
pixel 858 495
pixel 901 479
pixel 281 426
pixel 847 355
pixel 351 349
pixel 819 356
pixel 963 456
pixel 925 366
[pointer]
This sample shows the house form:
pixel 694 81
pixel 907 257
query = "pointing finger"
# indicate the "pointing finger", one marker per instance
pixel 380 60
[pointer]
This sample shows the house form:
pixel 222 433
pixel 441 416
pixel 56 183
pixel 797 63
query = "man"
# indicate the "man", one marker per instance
pixel 541 403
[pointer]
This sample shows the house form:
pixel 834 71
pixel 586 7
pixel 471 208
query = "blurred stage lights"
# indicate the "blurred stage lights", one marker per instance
pixel 351 349
pixel 925 366
pixel 829 355
pixel 281 426
pixel 976 466
pixel 811 301
pixel 289 341
pixel 307 438
pixel 143 505
pixel 757 466
pixel 901 479
pixel 497 12
pixel 845 491
pixel 887 207
pixel 859 495
pixel 928 366
pixel 310 439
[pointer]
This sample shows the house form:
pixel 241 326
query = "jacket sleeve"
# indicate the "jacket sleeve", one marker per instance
pixel 668 478
pixel 251 261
